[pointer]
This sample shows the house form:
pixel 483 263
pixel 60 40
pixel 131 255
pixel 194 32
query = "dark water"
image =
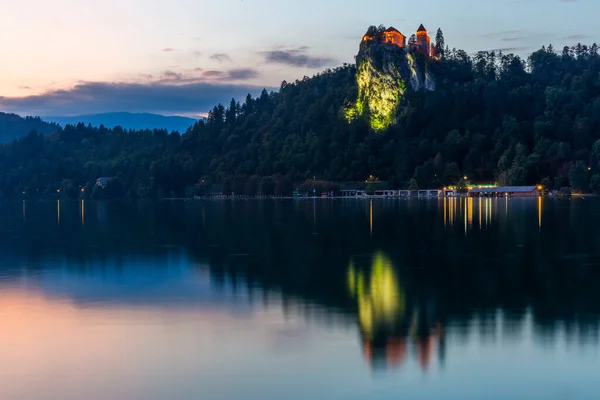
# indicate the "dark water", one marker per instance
pixel 382 299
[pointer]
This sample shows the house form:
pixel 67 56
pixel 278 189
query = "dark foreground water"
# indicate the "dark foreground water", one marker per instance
pixel 382 299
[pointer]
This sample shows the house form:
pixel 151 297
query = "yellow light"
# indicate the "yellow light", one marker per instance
pixel 57 190
pixel 82 189
pixel 539 212
pixel 540 187
pixel 371 216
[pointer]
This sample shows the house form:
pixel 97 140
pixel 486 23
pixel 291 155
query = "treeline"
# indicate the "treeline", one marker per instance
pixel 494 117
pixel 14 127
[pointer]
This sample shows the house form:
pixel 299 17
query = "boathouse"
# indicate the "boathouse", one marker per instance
pixel 507 191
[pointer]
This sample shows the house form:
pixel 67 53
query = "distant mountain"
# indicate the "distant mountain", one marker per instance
pixel 128 120
pixel 14 127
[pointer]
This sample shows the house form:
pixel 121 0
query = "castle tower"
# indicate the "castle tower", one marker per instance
pixel 423 41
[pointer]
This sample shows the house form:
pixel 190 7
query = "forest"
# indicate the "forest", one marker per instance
pixel 13 127
pixel 493 117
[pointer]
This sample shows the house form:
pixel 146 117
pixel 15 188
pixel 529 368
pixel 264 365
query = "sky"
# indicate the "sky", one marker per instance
pixel 181 57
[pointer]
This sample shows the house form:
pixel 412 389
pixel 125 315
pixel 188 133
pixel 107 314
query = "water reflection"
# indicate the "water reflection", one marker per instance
pixel 437 287
pixel 379 296
pixel 486 210
pixel 387 324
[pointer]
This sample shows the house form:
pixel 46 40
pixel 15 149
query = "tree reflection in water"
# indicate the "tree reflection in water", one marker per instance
pixel 388 325
pixel 433 269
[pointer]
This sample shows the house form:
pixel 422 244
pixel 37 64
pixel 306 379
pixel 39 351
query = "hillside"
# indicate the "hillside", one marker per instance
pixel 14 127
pixel 491 117
pixel 126 120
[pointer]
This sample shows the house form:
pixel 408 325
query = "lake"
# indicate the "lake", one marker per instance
pixel 308 299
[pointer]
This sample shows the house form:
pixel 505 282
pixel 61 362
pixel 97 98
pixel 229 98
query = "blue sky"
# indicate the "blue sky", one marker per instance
pixel 180 57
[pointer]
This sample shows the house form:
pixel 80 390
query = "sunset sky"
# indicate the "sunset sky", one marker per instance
pixel 180 57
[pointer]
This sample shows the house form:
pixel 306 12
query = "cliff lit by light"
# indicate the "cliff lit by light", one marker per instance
pixel 386 67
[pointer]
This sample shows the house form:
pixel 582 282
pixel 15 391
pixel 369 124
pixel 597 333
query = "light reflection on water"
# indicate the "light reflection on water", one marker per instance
pixel 424 299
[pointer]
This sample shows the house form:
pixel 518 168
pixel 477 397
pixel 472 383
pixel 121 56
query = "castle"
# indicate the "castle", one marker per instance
pixel 420 42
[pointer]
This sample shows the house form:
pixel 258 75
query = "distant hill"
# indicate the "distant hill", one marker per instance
pixel 14 127
pixel 129 121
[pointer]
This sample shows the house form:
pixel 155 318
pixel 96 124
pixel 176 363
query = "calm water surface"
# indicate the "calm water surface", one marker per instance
pixel 382 299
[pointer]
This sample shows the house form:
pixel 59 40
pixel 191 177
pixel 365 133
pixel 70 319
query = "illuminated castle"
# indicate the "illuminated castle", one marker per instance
pixel 420 42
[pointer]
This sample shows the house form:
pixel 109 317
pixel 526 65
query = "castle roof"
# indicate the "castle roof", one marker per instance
pixel 392 29
pixel 421 29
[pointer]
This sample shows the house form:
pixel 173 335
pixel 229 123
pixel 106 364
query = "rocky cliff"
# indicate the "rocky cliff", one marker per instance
pixel 384 73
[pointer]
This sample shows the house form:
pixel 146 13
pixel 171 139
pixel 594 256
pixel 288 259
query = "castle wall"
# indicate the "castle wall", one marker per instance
pixel 395 38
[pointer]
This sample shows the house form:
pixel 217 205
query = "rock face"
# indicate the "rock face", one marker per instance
pixel 384 73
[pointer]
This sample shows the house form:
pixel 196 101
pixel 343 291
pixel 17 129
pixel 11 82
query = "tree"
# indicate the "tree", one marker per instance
pixel 578 177
pixel 595 184
pixel 462 186
pixel 227 187
pixel 68 189
pixel 239 185
pixel 201 188
pixel 516 176
pixel 97 193
pixel 451 174
pixel 252 186
pixel 595 155
pixel 88 190
pixel 413 185
pixel 284 186
pixel 440 43
pixel 114 188
pixel 267 186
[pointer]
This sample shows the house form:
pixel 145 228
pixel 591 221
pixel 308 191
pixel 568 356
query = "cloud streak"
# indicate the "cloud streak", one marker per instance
pixel 200 75
pixel 220 57
pixel 513 39
pixel 575 37
pixel 512 49
pixel 512 32
pixel 296 58
pixel 177 97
